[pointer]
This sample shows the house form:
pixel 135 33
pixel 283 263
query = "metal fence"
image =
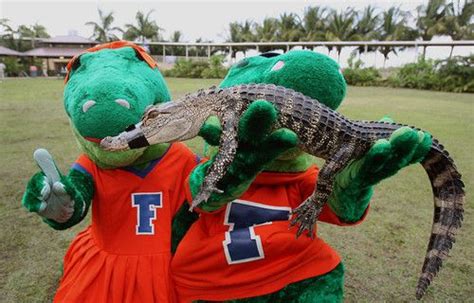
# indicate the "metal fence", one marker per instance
pixel 286 46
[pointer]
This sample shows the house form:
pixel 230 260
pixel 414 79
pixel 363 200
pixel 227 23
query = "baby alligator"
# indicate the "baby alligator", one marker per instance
pixel 322 132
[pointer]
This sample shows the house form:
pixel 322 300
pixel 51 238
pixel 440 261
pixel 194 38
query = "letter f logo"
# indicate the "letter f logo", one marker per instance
pixel 146 204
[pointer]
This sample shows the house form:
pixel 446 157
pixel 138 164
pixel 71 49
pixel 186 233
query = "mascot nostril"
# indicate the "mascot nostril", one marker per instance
pixel 87 105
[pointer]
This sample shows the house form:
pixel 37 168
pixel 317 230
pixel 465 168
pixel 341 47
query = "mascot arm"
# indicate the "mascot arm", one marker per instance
pixel 61 201
pixel 353 187
pixel 258 146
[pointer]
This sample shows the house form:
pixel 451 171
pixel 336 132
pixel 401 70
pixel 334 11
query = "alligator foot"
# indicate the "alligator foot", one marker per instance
pixel 306 216
pixel 204 195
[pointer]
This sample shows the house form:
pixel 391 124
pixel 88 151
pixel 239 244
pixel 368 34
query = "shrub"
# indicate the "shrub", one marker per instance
pixel 187 69
pixel 421 75
pixel 12 66
pixel 198 69
pixel 456 74
pixel 215 69
pixel 451 75
pixel 358 75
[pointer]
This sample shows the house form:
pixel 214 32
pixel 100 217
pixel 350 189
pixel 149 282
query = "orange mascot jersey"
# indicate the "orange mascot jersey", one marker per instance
pixel 247 249
pixel 124 255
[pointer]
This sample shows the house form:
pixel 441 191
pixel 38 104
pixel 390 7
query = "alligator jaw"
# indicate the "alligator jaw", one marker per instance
pixel 126 140
pixel 114 143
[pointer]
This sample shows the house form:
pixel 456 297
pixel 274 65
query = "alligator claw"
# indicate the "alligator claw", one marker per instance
pixel 306 216
pixel 204 195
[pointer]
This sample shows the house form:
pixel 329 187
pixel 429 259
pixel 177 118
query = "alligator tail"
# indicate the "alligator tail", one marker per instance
pixel 448 211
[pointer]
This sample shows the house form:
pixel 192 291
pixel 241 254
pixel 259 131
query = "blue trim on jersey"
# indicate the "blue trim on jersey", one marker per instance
pixel 198 159
pixel 82 169
pixel 142 173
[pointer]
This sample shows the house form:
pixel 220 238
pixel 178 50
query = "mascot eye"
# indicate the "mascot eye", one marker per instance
pixel 87 105
pixel 242 63
pixel 279 65
pixel 123 103
pixel 76 63
pixel 269 54
pixel 138 55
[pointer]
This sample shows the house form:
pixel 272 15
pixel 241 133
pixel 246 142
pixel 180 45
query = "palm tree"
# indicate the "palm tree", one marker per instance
pixel 177 50
pixel 145 28
pixel 33 31
pixel 314 23
pixel 394 27
pixel 247 31
pixel 431 19
pixel 460 25
pixel 367 26
pixel 8 35
pixel 342 27
pixel 241 32
pixel 3 21
pixel 39 31
pixel 103 31
pixel 267 32
pixel 176 36
pixel 13 38
pixel 289 27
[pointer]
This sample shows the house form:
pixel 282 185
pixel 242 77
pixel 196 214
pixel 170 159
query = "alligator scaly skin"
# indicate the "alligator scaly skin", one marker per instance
pixel 323 133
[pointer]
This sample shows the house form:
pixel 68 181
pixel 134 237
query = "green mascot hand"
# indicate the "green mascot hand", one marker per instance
pixel 258 146
pixel 353 187
pixel 45 193
pixel 61 201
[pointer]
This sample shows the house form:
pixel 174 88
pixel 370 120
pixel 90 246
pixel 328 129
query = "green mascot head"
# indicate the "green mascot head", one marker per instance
pixel 108 89
pixel 312 74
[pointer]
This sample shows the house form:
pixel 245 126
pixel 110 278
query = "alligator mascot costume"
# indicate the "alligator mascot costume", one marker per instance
pixel 243 251
pixel 124 255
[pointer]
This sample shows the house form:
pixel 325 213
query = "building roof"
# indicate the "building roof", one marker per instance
pixel 70 39
pixel 53 52
pixel 4 51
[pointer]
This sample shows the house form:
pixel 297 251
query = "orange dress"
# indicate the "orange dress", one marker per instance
pixel 124 255
pixel 246 249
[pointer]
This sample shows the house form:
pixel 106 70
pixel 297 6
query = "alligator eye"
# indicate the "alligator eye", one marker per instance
pixel 279 65
pixel 87 105
pixel 148 107
pixel 123 103
pixel 242 63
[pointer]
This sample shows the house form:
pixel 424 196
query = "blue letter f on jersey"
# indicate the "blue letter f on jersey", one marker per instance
pixel 146 204
pixel 241 244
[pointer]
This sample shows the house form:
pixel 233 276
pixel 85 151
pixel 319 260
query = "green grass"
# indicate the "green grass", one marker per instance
pixel 383 256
